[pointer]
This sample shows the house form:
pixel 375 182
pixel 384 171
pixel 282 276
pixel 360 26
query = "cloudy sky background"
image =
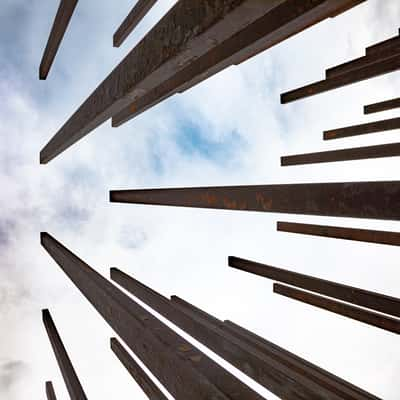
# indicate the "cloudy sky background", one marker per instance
pixel 229 129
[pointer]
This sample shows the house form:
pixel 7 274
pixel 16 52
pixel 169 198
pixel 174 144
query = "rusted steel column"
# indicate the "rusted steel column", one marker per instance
pixel 370 71
pixel 382 106
pixel 60 24
pixel 50 391
pixel 363 129
pixel 71 380
pixel 230 30
pixel 361 297
pixel 138 12
pixel 182 369
pixel 377 200
pixel 285 380
pixel 356 313
pixel 136 371
pixel 361 235
pixel 357 153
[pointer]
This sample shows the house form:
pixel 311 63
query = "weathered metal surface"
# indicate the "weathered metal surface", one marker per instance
pixel 71 380
pixel 60 24
pixel 377 200
pixel 363 129
pixel 361 235
pixel 383 46
pixel 138 12
pixel 346 310
pixel 136 371
pixel 187 32
pixel 181 368
pixel 282 378
pixel 370 71
pixel 50 394
pixel 365 298
pixel 357 153
pixel 382 106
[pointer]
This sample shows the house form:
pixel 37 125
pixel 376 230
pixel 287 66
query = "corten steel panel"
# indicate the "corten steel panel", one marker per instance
pixel 187 32
pixel 136 371
pixel 281 378
pixel 71 380
pixel 357 153
pixel 61 21
pixel 346 310
pixel 295 363
pixel 50 394
pixel 361 235
pixel 350 294
pixel 382 106
pixel 182 369
pixel 370 71
pixel 138 12
pixel 363 129
pixel 377 200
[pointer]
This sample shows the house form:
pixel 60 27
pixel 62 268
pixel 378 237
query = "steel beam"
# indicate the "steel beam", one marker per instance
pixel 71 380
pixel 181 368
pixel 370 71
pixel 365 298
pixel 136 371
pixel 357 153
pixel 346 310
pixel 138 12
pixel 378 200
pixel 383 46
pixel 363 129
pixel 360 235
pixel 60 24
pixel 226 32
pixel 382 106
pixel 50 394
pixel 281 378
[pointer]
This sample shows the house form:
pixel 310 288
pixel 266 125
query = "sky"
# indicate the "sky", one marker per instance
pixel 230 129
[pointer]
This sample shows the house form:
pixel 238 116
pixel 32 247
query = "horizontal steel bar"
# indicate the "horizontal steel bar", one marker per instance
pixel 356 153
pixel 50 394
pixel 71 380
pixel 136 371
pixel 382 106
pixel 60 24
pixel 370 71
pixel 138 12
pixel 377 200
pixel 360 235
pixel 365 298
pixel 382 46
pixel 346 310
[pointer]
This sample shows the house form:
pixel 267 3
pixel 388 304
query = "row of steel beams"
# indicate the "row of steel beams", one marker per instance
pixel 377 200
pixel 181 368
pixel 61 21
pixel 217 34
pixel 71 380
pixel 286 377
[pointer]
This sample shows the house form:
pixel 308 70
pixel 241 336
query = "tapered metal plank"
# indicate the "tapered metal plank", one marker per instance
pixel 361 235
pixel 138 12
pixel 382 106
pixel 182 369
pixel 370 71
pixel 377 200
pixel 346 310
pixel 136 371
pixel 365 298
pixel 281 378
pixel 363 129
pixel 61 21
pixel 357 153
pixel 51 395
pixel 187 32
pixel 71 380
pixel 383 46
